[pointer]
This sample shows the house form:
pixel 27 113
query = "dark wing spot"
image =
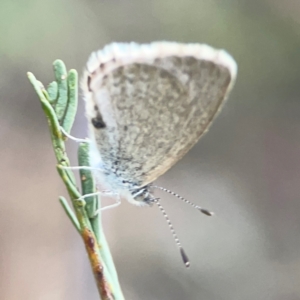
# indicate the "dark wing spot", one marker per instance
pixel 89 83
pixel 130 79
pixel 190 61
pixel 177 61
pixel 163 74
pixel 125 128
pixel 98 122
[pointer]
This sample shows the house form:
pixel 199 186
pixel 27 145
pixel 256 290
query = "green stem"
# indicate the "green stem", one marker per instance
pixel 59 104
pixel 69 212
pixel 93 204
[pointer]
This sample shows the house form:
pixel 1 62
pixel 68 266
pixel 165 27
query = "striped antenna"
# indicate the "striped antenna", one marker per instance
pixel 182 252
pixel 203 210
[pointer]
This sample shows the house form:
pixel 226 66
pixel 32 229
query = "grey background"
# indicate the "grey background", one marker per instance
pixel 246 168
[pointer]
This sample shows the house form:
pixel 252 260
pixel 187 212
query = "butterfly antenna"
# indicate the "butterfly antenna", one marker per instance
pixel 182 252
pixel 203 210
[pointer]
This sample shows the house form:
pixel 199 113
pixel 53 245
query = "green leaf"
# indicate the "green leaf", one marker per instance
pixel 72 103
pixel 52 92
pixel 61 79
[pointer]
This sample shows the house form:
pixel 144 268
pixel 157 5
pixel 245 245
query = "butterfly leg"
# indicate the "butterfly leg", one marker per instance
pixel 74 138
pixel 118 200
pixel 79 168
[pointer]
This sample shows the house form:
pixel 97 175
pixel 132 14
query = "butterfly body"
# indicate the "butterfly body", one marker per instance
pixel 147 105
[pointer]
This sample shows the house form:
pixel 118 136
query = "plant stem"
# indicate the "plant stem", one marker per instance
pixel 59 104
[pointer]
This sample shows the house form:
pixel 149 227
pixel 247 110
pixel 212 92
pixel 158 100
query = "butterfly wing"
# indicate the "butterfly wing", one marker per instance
pixel 147 105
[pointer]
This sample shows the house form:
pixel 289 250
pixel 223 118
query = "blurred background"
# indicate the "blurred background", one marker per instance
pixel 246 169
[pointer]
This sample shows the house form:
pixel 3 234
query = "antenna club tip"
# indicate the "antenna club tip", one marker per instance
pixel 184 257
pixel 207 212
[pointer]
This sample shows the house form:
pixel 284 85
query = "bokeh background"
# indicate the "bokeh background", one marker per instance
pixel 246 169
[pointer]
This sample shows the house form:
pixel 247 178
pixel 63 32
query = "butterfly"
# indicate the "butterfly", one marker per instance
pixel 147 105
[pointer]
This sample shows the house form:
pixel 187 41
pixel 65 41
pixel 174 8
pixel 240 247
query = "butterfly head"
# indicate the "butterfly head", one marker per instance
pixel 141 196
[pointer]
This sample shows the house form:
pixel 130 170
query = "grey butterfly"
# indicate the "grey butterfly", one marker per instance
pixel 147 105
